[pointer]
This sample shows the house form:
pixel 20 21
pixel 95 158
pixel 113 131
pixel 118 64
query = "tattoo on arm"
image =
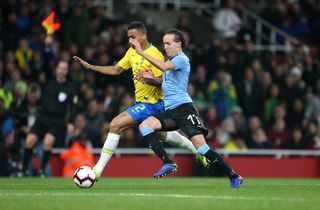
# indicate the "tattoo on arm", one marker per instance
pixel 157 81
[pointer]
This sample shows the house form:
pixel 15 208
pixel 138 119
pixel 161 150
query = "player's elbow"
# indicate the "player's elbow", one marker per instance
pixel 166 67
pixel 115 72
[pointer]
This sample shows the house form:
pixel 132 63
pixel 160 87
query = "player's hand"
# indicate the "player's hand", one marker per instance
pixel 136 45
pixel 138 76
pixel 143 76
pixel 147 74
pixel 82 62
pixel 48 42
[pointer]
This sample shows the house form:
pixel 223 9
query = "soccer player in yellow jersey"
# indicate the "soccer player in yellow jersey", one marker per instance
pixel 148 102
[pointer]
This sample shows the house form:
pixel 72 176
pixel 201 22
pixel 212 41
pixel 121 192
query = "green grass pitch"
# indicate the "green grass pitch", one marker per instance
pixel 163 194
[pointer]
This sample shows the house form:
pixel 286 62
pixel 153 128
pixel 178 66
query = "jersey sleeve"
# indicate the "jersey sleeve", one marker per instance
pixel 157 72
pixel 178 62
pixel 124 62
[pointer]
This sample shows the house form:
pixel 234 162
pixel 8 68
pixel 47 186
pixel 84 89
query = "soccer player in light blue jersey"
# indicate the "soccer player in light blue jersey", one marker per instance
pixel 148 103
pixel 180 112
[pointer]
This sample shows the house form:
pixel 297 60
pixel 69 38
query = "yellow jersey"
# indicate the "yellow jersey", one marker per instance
pixel 143 92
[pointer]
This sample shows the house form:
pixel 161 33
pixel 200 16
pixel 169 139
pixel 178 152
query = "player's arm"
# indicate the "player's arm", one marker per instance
pixel 111 70
pixel 163 66
pixel 47 58
pixel 148 78
pixel 157 81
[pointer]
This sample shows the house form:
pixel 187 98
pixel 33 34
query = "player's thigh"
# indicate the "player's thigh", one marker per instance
pixel 151 122
pixel 56 134
pixel 166 121
pixel 121 122
pixel 188 120
pixel 37 131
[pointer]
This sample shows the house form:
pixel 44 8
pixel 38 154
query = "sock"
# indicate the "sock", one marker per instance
pixel 217 160
pixel 176 139
pixel 45 158
pixel 26 159
pixel 157 147
pixel 109 146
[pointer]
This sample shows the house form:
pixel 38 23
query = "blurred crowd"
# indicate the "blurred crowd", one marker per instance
pixel 247 98
pixel 260 99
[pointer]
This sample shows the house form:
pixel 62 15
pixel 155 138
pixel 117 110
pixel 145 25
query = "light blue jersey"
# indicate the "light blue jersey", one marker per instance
pixel 175 82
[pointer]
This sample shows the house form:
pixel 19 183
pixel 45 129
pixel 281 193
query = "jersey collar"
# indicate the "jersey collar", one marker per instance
pixel 149 45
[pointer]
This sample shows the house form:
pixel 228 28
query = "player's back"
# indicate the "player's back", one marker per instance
pixel 175 82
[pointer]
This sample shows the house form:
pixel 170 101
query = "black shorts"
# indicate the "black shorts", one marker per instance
pixel 185 117
pixel 50 124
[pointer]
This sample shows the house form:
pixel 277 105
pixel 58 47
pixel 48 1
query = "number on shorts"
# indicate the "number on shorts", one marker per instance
pixel 139 108
pixel 195 120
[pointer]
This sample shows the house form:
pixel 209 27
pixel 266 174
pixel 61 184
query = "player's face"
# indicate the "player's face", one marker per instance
pixel 137 35
pixel 62 70
pixel 171 47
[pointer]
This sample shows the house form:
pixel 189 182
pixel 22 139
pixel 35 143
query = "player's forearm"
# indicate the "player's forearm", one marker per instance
pixel 159 64
pixel 154 81
pixel 111 70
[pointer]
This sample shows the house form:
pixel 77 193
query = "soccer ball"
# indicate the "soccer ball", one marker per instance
pixel 84 177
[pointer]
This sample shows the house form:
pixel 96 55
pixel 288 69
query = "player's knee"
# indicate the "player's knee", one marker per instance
pixel 198 140
pixel 115 127
pixel 144 124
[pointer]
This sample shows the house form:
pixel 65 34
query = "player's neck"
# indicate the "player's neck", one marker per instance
pixel 145 45
pixel 61 79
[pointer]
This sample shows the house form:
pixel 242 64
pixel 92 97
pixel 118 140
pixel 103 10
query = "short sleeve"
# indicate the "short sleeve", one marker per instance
pixel 124 62
pixel 179 62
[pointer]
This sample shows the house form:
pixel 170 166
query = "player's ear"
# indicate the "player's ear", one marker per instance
pixel 180 44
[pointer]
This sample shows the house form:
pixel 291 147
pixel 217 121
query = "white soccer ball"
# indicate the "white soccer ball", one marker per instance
pixel 84 177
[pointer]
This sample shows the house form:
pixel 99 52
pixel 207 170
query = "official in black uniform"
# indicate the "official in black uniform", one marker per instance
pixel 58 104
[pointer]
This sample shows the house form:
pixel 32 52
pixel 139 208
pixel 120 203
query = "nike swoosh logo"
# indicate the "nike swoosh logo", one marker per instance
pixel 215 160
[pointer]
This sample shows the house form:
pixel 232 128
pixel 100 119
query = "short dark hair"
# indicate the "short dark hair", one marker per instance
pixel 179 36
pixel 138 25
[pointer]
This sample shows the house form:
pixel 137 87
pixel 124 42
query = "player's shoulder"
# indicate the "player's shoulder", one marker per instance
pixel 154 51
pixel 180 57
pixel 130 51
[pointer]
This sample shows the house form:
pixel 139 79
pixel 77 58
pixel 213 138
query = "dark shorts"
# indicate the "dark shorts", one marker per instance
pixel 49 124
pixel 185 117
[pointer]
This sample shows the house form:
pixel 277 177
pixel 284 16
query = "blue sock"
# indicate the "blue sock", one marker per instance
pixel 145 131
pixel 203 149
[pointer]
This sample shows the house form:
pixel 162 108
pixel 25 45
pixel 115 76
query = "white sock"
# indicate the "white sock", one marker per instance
pixel 176 139
pixel 107 151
